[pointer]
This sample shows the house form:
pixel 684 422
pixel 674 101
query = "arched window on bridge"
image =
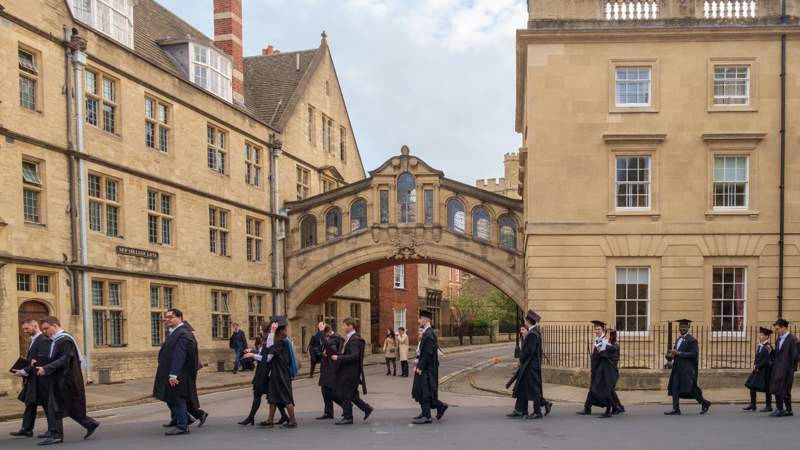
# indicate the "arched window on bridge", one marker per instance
pixel 455 216
pixel 407 198
pixel 358 215
pixel 481 224
pixel 508 232
pixel 333 224
pixel 308 232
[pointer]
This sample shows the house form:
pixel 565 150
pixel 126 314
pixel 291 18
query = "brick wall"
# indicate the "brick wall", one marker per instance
pixel 389 299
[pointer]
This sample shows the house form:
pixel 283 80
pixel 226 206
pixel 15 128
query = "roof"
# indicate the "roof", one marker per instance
pixel 272 82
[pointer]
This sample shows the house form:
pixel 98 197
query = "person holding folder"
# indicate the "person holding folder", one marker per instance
pixel 34 388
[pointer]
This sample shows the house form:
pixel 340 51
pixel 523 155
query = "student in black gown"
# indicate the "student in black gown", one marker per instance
pixel 425 389
pixel 616 407
pixel 327 371
pixel 528 378
pixel 262 372
pixel 604 374
pixel 683 378
pixel 34 387
pixel 66 391
pixel 193 402
pixel 279 388
pixel 350 374
pixel 783 368
pixel 758 381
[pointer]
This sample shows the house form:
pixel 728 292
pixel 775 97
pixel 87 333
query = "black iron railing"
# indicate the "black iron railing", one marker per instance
pixel 570 346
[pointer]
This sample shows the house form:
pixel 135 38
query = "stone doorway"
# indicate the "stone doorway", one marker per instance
pixel 31 309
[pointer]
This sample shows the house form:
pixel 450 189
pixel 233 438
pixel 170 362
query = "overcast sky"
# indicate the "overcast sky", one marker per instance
pixel 437 75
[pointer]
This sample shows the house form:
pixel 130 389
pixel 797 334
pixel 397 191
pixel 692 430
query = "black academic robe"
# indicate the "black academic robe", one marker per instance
pixel 605 374
pixel 783 367
pixel 529 374
pixel 760 377
pixel 67 394
pixel 350 369
pixel 176 357
pixel 279 389
pixel 426 386
pixel 315 346
pixel 261 376
pixel 193 360
pixel 684 368
pixel 34 388
pixel 327 371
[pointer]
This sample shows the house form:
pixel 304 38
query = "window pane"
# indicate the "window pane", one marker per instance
pixel 42 283
pixel 114 294
pixel 97 293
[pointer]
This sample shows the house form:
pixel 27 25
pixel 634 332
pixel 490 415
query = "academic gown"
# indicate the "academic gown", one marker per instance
pixel 760 378
pixel 327 371
pixel 426 386
pixel 783 367
pixel 350 369
pixel 67 394
pixel 605 374
pixel 684 369
pixel 261 376
pixel 529 375
pixel 279 387
pixel 34 388
pixel 177 356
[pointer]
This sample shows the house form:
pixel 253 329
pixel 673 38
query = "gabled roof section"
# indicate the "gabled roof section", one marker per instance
pixel 331 171
pixel 274 83
pixel 405 156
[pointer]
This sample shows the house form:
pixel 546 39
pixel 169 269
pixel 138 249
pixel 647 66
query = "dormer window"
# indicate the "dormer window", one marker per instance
pixel 211 70
pixel 114 18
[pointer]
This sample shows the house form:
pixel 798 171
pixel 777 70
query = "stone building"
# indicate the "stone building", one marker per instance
pixel 652 161
pixel 508 184
pixel 137 177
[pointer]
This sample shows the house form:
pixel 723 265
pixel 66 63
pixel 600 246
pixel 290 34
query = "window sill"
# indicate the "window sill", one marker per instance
pixel 729 336
pixel 157 151
pixel 36 225
pixel 613 215
pixel 110 346
pixel 632 109
pixel 218 173
pixel 752 213
pixel 732 108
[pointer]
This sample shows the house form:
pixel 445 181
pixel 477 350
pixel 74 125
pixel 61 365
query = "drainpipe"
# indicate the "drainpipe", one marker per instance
pixel 73 224
pixel 78 46
pixel 275 147
pixel 782 188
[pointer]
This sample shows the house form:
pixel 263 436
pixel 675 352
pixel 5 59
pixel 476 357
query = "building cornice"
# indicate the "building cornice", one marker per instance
pixel 634 138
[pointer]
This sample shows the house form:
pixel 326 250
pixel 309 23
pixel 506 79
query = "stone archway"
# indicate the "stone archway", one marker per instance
pixel 31 309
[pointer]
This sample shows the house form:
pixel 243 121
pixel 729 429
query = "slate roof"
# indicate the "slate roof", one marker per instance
pixel 273 83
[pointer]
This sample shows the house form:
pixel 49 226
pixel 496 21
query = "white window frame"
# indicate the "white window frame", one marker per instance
pixel 746 183
pixel 718 101
pixel 400 319
pixel 744 299
pixel 649 299
pixel 648 183
pixel 120 17
pixel 617 81
pixel 400 276
pixel 218 70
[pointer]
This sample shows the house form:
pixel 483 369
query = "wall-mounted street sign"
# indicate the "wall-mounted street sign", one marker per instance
pixel 138 252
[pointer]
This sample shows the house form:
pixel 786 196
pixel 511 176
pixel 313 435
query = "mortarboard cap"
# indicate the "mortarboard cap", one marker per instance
pixel 426 314
pixel 765 331
pixel 279 320
pixel 781 323
pixel 532 316
pixel 599 323
pixel 684 321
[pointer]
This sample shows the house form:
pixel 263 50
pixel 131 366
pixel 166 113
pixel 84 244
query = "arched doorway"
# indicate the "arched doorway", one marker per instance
pixel 29 310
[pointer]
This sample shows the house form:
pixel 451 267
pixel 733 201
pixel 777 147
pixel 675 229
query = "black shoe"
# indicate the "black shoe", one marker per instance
pixel 43 435
pixel 289 425
pixel 176 432
pixel 534 416
pixel 324 417
pixel 51 441
pixel 547 407
pixel 777 413
pixel 440 412
pixel 344 421
pixel 21 433
pixel 368 412
pixel 171 424
pixel 585 412
pixel 90 431
pixel 605 415
pixel 513 415
pixel 618 411
pixel 422 421
pixel 706 406
pixel 283 420
pixel 418 417
pixel 766 409
pixel 202 420
pixel 248 421
pixel 750 407
pixel 674 412
pixel 266 424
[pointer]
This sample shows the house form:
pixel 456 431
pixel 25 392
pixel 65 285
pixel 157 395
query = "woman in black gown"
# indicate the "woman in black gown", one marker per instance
pixel 261 376
pixel 279 389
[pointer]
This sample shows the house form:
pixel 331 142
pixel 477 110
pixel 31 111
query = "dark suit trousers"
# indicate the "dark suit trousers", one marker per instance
pixel 29 416
pixel 676 398
pixel 767 395
pixel 784 402
pixel 347 405
pixel 55 422
pixel 426 407
pixel 521 405
pixel 327 398
pixel 313 361
pixel 180 412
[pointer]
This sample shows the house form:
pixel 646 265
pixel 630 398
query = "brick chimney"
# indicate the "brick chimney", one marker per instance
pixel 228 37
pixel 268 51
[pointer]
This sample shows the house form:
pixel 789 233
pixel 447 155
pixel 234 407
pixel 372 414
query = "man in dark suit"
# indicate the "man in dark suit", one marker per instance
pixel 683 378
pixel 193 403
pixel 759 378
pixel 315 347
pixel 327 370
pixel 64 378
pixel 176 372
pixel 34 389
pixel 425 389
pixel 350 374
pixel 783 368
pixel 237 343
pixel 528 387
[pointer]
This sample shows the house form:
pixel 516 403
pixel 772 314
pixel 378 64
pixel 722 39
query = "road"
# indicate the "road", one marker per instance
pixel 474 421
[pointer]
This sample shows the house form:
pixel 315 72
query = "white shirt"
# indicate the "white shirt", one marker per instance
pixel 600 342
pixel 270 342
pixel 679 343
pixel 781 339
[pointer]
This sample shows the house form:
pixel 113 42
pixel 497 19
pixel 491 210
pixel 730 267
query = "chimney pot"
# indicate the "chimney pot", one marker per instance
pixel 268 51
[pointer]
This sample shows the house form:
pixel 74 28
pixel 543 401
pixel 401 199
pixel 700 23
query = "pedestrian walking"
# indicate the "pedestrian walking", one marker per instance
pixel 327 370
pixel 390 352
pixel 237 343
pixel 528 377
pixel 783 368
pixel 683 378
pixel 64 379
pixel 34 388
pixel 193 401
pixel 262 373
pixel 176 371
pixel 759 378
pixel 279 387
pixel 315 348
pixel 604 374
pixel 350 374
pixel 425 389
pixel 402 351
pixel 616 407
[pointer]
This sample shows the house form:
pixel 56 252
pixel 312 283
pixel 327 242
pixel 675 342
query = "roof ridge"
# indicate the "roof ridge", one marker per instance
pixel 283 53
